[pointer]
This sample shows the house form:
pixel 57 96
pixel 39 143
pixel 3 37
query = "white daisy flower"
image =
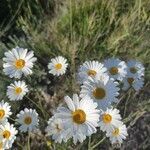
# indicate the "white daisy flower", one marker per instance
pixel 7 135
pixel 104 92
pixel 17 90
pixel 109 119
pixel 135 69
pixel 28 120
pixel 117 69
pixel 80 118
pixel 118 134
pixel 90 69
pixel 4 112
pixel 18 62
pixel 56 129
pixel 131 81
pixel 102 76
pixel 58 66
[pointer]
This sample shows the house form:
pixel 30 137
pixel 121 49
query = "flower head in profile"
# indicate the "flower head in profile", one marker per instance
pixel 28 120
pixel 80 117
pixel 17 62
pixel 135 69
pixel 90 69
pixel 58 66
pixel 56 128
pixel 117 134
pixel 4 112
pixel 109 119
pixel 7 135
pixel 102 90
pixel 134 82
pixel 116 68
pixel 17 90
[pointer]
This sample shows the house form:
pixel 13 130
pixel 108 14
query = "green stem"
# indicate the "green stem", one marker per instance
pixel 126 105
pixel 28 141
pixel 89 143
pixel 21 146
pixel 97 144
pixel 36 105
pixel 13 119
pixel 123 96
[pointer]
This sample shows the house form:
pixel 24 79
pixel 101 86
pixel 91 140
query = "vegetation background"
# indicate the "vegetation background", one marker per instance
pixel 78 30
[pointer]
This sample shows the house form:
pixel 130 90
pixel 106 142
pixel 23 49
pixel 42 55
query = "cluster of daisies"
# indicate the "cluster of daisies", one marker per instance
pixel 85 112
pixel 93 107
pixel 17 62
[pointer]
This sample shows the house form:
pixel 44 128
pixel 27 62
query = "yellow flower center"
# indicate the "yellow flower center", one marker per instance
pixel 6 134
pixel 99 93
pixel 91 72
pixel 130 80
pixel 113 70
pixel 2 113
pixel 116 132
pixel 133 70
pixel 18 90
pixel 58 66
pixel 19 64
pixel 106 118
pixel 27 120
pixel 79 116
